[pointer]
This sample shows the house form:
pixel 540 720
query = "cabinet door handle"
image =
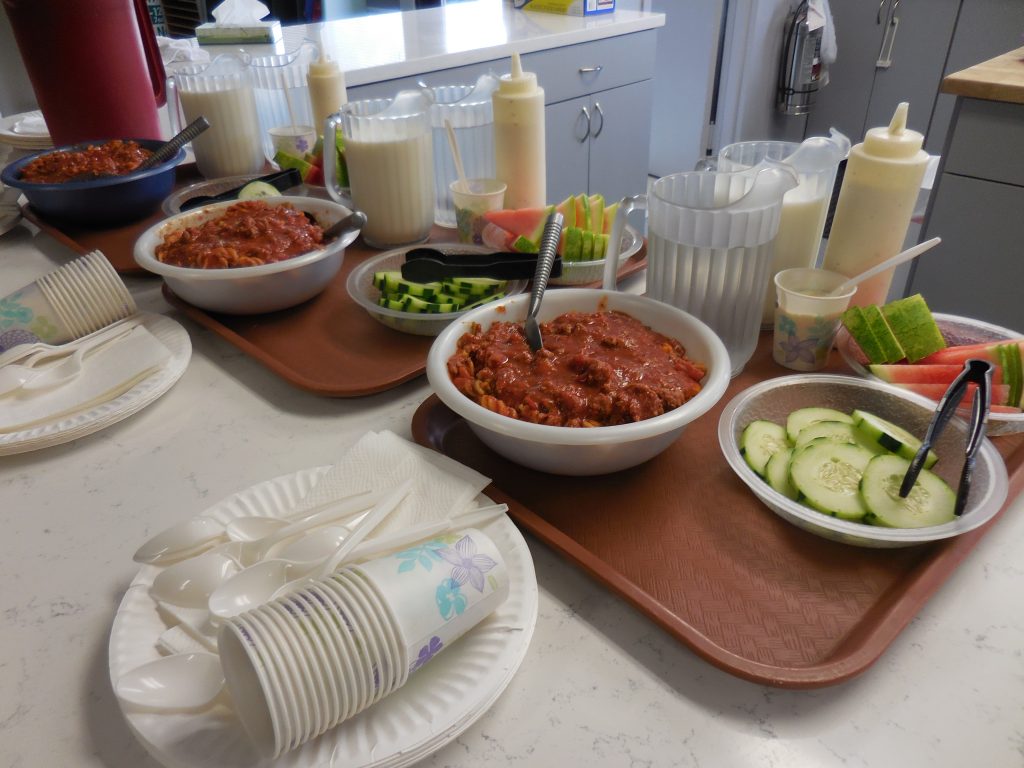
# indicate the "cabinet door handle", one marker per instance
pixel 878 16
pixel 598 111
pixel 586 114
pixel 588 70
pixel 889 39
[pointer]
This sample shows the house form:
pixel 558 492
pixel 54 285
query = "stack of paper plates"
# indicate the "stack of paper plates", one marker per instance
pixel 25 131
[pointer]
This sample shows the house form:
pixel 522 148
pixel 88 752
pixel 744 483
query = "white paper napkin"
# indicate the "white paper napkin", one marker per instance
pixel 379 461
pixel 32 124
pixel 107 373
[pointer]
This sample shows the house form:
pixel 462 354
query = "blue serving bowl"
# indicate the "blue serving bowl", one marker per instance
pixel 98 203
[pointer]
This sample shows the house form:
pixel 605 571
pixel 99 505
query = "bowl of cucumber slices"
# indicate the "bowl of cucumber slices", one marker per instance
pixel 423 309
pixel 828 453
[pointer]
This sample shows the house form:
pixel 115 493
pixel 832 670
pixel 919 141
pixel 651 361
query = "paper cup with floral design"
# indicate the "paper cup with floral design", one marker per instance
pixel 27 316
pixel 439 589
pixel 807 316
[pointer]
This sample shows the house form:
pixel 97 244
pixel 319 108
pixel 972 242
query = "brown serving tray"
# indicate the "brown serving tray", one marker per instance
pixel 687 543
pixel 330 345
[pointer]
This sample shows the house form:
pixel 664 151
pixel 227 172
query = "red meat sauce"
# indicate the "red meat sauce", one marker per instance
pixel 247 234
pixel 114 158
pixel 596 369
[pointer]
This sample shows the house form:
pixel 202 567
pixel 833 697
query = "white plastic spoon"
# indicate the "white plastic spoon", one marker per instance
pixel 892 261
pixel 181 540
pixel 192 536
pixel 190 583
pixel 258 583
pixel 183 682
pixel 389 543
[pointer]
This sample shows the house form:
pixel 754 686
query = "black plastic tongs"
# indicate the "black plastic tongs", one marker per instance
pixel 425 265
pixel 979 372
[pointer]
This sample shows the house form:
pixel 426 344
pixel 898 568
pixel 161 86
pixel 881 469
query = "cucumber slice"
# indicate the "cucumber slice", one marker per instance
pixel 393 282
pixel 255 189
pixel 416 304
pixel 484 300
pixel 475 286
pixel 777 473
pixel 891 437
pixel 827 476
pixel 930 502
pixel 761 439
pixel 837 432
pixel 804 417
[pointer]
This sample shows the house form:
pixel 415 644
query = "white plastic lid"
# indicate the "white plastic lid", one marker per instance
pixel 894 140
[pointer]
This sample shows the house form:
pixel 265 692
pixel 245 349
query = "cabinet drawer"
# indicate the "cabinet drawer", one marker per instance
pixel 576 70
pixel 986 141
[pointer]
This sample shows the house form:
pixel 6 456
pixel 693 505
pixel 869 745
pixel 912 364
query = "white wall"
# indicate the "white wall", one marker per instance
pixel 15 89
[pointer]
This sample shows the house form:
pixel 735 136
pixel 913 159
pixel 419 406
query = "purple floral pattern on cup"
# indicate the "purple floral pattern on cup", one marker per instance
pixel 427 652
pixel 468 565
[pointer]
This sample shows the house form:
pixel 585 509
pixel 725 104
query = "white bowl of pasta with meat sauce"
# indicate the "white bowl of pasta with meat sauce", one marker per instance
pixel 578 450
pixel 247 290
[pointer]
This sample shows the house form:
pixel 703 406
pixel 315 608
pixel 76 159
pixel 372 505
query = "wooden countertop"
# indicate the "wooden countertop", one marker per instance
pixel 998 79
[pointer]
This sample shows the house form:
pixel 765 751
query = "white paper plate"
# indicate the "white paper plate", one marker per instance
pixel 437 704
pixel 167 331
pixel 23 140
pixel 956 330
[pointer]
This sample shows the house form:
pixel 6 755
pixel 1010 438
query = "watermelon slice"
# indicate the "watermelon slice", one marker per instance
pixel 920 373
pixel 986 350
pixel 609 217
pixel 523 222
pixel 568 210
pixel 596 203
pixel 914 327
pixel 1000 393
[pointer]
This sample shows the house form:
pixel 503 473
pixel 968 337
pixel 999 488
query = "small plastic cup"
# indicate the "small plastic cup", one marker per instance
pixel 293 140
pixel 807 316
pixel 473 198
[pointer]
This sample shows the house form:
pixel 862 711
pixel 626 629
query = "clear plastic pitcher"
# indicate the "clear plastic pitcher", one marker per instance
pixel 804 207
pixel 222 92
pixel 709 247
pixel 468 109
pixel 282 94
pixel 390 160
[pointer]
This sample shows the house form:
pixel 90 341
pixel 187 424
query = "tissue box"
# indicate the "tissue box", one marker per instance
pixel 571 7
pixel 231 34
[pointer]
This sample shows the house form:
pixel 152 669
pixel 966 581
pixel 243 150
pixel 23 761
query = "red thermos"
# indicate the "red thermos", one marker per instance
pixel 95 66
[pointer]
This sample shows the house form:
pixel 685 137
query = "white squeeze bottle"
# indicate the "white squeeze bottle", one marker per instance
pixel 327 91
pixel 882 181
pixel 519 137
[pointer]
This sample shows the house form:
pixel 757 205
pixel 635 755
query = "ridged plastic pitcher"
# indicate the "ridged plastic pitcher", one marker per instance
pixel 709 249
pixel 804 207
pixel 468 109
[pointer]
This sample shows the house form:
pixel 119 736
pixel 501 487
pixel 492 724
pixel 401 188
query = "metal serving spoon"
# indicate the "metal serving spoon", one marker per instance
pixel 166 151
pixel 548 246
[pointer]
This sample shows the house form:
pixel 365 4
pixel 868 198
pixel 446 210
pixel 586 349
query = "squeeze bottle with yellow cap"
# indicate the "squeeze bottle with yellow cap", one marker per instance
pixel 882 181
pixel 327 91
pixel 519 137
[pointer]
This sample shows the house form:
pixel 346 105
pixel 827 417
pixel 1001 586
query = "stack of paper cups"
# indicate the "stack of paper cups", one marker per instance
pixel 81 297
pixel 310 660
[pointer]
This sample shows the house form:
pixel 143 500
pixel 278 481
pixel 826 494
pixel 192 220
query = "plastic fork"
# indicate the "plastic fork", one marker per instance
pixel 49 367
pixel 980 373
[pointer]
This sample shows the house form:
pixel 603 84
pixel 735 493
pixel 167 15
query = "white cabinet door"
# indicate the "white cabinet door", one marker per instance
pixel 567 147
pixel 620 140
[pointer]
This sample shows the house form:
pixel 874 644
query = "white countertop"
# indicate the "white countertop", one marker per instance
pixel 388 45
pixel 601 685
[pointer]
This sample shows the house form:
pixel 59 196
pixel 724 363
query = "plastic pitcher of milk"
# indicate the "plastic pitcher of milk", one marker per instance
pixel 222 92
pixel 804 207
pixel 710 238
pixel 390 160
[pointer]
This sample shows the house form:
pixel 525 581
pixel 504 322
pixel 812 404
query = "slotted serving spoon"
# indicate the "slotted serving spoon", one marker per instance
pixel 548 246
